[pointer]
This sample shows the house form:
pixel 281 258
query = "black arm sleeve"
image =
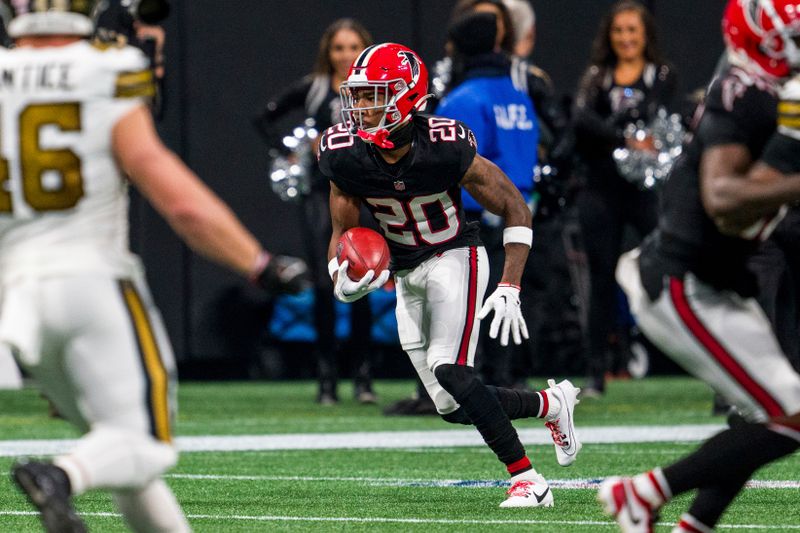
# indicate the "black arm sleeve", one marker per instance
pixel 664 90
pixel 292 98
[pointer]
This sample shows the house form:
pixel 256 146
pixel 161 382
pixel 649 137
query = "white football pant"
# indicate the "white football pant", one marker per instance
pixel 10 376
pixel 437 308
pixel 99 351
pixel 718 336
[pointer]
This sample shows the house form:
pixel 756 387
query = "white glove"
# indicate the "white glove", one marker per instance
pixel 504 301
pixel 347 290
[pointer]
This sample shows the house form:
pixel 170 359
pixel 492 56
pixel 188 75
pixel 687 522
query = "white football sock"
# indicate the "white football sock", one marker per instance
pixel 653 487
pixel 152 509
pixel 115 458
pixel 553 405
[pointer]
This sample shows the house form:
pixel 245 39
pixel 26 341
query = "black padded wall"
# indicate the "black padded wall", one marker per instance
pixel 225 58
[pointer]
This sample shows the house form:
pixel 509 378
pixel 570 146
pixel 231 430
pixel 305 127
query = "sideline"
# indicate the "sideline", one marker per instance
pixel 569 484
pixel 387 439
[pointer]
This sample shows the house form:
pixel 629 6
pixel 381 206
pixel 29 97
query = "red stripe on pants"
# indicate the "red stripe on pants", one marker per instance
pixel 472 296
pixel 718 352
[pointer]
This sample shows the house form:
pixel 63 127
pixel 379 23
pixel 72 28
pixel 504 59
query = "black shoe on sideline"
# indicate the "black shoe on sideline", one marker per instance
pixel 363 393
pixel 47 487
pixel 327 393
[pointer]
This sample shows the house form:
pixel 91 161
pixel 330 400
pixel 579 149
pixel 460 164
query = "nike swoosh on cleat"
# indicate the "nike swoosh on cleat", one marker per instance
pixel 635 519
pixel 540 498
pixel 569 427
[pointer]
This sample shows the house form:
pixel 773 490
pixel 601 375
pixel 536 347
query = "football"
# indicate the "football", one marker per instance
pixel 364 250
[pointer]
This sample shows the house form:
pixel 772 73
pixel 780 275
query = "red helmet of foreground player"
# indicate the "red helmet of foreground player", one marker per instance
pixel 764 34
pixel 398 81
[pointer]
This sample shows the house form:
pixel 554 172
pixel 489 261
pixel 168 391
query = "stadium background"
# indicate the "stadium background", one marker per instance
pixel 225 59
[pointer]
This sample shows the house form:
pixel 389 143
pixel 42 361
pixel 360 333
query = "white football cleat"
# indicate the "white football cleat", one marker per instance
pixel 562 424
pixel 620 500
pixel 530 490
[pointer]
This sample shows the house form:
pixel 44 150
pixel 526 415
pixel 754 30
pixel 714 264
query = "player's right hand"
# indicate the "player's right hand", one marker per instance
pixel 508 319
pixel 347 290
pixel 283 274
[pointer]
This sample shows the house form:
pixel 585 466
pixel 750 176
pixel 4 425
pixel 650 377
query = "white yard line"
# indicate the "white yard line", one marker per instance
pixel 586 483
pixel 387 439
pixel 386 520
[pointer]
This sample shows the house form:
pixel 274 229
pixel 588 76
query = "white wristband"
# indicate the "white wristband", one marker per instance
pixel 518 234
pixel 333 266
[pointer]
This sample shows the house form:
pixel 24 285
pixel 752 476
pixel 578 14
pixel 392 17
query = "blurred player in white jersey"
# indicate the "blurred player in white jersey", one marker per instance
pixel 75 306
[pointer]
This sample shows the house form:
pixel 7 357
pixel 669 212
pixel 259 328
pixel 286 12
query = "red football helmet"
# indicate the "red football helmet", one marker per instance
pixel 764 34
pixel 396 83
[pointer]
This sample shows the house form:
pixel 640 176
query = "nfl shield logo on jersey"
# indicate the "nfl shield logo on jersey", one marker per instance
pixel 399 185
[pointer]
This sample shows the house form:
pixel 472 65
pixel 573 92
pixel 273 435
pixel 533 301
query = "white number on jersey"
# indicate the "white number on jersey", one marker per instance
pixel 442 129
pixel 393 222
pixel 336 137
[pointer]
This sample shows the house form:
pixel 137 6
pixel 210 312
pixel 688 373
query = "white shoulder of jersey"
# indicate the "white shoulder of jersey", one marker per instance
pixel 791 89
pixel 789 109
pixel 122 71
pixel 133 78
pixel 121 59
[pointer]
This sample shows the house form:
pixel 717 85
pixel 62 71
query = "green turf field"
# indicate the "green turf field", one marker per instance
pixel 417 488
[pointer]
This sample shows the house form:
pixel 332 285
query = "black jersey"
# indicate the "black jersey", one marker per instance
pixel 416 201
pixel 739 109
pixel 783 148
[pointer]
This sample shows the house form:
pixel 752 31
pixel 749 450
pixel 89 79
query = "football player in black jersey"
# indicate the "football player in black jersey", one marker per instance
pixel 408 169
pixel 689 286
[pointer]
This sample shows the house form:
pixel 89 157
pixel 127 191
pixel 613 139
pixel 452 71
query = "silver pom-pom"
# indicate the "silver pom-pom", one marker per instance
pixel 290 174
pixel 648 169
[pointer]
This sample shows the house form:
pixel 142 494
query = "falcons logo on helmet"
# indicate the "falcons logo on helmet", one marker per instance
pixel 413 64
pixel 753 11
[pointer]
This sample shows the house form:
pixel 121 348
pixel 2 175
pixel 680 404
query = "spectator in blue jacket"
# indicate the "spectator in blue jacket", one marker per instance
pixel 503 118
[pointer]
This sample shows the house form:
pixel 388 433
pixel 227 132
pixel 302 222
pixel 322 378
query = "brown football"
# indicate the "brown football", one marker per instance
pixel 364 250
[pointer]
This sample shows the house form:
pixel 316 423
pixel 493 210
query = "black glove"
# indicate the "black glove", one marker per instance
pixel 283 274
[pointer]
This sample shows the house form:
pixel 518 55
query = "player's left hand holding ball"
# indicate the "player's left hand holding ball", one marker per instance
pixel 361 264
pixel 505 303
pixel 347 290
